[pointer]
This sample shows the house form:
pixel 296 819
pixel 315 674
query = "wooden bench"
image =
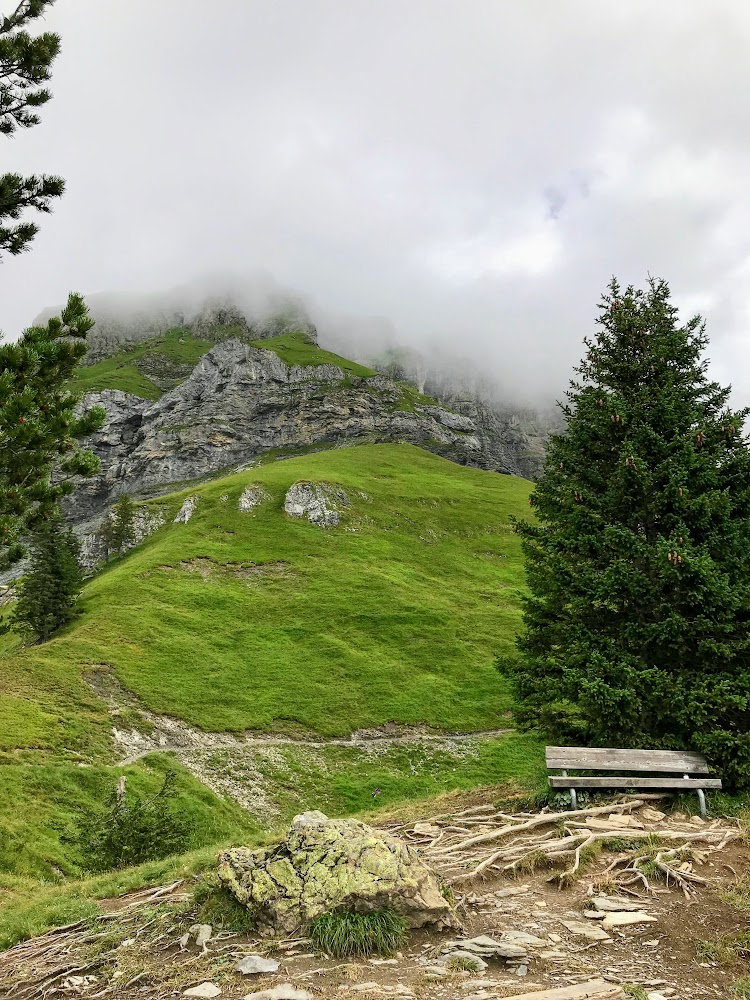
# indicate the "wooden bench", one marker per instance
pixel 664 769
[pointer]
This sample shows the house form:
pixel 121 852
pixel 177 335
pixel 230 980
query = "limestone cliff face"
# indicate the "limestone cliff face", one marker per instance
pixel 240 402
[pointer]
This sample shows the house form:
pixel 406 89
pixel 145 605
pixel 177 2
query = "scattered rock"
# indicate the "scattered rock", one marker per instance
pixel 465 957
pixel 522 970
pixel 186 511
pixel 515 891
pixel 252 496
pixel 591 931
pixel 488 947
pixel 203 934
pixel 426 829
pixel 324 865
pixel 285 991
pixel 615 904
pixel 652 815
pixel 253 965
pixel 522 938
pixel 623 919
pixel 206 990
pixel 626 822
pixel 317 502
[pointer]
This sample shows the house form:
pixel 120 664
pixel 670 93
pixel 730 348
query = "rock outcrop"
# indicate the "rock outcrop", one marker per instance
pixel 326 865
pixel 241 402
pixel 318 502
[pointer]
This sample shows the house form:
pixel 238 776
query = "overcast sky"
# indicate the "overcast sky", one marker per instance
pixel 473 170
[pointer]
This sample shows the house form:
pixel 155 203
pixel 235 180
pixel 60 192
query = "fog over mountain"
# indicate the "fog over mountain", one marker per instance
pixel 462 178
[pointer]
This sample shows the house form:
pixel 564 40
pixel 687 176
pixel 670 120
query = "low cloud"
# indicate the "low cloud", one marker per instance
pixel 462 177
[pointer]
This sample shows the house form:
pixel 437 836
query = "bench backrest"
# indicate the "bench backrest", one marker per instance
pixel 640 761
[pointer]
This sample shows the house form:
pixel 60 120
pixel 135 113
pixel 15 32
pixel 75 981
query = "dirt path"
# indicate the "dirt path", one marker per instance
pixel 235 765
pixel 664 959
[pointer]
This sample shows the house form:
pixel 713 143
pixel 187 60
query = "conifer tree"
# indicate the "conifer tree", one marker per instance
pixel 40 425
pixel 637 628
pixel 49 591
pixel 39 420
pixel 118 532
pixel 25 63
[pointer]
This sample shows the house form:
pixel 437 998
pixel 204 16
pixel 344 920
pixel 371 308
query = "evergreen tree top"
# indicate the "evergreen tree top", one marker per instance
pixel 637 627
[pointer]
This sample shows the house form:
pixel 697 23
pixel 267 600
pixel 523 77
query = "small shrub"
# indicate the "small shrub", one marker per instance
pixel 619 845
pixel 215 905
pixel 130 830
pixel 448 895
pixel 635 991
pixel 344 934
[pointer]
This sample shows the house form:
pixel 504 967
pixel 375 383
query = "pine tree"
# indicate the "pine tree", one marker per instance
pixel 39 422
pixel 50 590
pixel 118 531
pixel 25 63
pixel 637 629
pixel 40 425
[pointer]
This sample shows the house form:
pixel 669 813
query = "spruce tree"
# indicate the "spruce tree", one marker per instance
pixel 25 63
pixel 40 425
pixel 49 591
pixel 637 627
pixel 118 531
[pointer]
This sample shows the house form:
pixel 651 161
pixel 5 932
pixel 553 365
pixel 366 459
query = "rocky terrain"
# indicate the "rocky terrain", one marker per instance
pixel 218 400
pixel 532 937
pixel 241 402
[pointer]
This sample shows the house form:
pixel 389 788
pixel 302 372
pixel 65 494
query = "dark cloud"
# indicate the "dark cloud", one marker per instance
pixel 474 172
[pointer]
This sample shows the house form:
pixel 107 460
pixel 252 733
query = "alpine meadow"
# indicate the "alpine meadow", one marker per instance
pixel 374 601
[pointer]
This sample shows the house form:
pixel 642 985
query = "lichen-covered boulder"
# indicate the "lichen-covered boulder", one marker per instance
pixel 331 864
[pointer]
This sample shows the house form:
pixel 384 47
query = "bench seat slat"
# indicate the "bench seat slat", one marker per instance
pixel 614 782
pixel 604 759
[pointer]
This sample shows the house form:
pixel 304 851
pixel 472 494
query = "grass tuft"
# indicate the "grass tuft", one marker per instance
pixel 737 893
pixel 741 988
pixel 461 964
pixel 635 991
pixel 725 949
pixel 344 934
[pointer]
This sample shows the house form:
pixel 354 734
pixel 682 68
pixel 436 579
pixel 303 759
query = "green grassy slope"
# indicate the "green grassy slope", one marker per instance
pixel 121 370
pixel 395 615
pixel 257 620
pixel 179 347
pixel 297 349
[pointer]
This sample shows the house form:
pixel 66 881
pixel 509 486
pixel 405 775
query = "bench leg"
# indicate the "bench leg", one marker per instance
pixel 573 796
pixel 702 801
